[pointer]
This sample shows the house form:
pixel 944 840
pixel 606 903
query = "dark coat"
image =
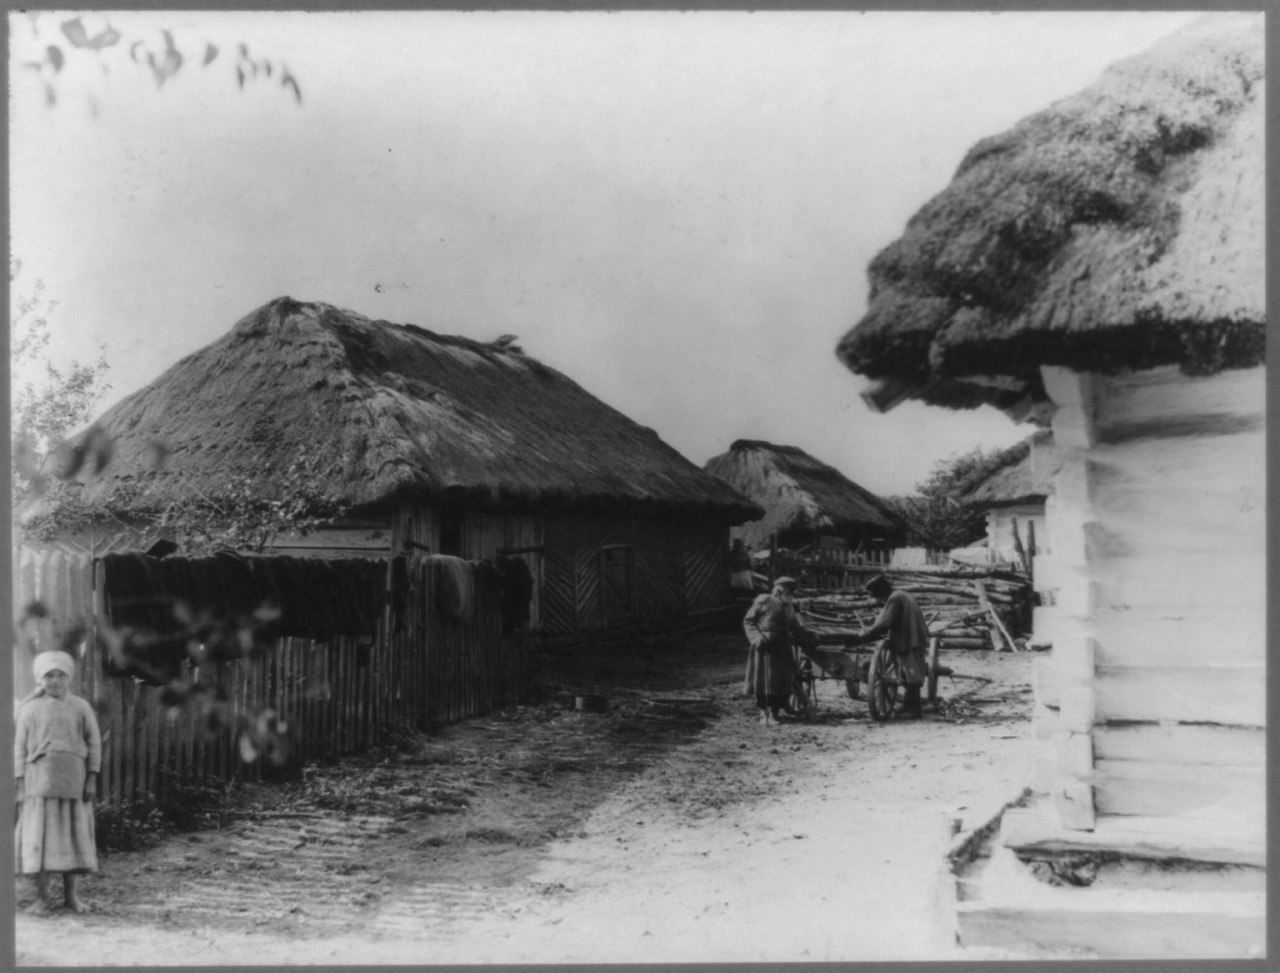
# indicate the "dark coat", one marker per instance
pixel 908 634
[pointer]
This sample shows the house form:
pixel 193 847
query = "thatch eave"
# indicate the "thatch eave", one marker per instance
pixel 1119 229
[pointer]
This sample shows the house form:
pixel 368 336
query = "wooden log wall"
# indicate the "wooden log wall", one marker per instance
pixel 423 667
pixel 1152 702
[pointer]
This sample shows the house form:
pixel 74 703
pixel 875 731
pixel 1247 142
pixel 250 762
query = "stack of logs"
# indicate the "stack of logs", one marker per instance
pixel 964 609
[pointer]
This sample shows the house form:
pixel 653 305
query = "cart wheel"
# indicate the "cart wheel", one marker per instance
pixel 853 688
pixel 931 683
pixel 882 689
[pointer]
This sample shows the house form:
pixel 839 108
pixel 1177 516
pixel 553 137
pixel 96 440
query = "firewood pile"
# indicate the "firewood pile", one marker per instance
pixel 966 609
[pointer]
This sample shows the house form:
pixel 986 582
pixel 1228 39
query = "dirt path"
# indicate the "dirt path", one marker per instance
pixel 649 833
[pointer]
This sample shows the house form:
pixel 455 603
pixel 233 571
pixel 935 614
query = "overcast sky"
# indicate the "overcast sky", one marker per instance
pixel 676 210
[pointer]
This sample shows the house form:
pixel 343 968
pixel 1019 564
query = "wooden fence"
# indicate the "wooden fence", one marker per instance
pixel 423 666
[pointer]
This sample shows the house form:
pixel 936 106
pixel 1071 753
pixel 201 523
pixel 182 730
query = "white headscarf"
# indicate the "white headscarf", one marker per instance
pixel 48 661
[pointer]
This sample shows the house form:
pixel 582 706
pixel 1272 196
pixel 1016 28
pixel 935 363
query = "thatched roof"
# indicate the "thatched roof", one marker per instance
pixel 798 492
pixel 394 411
pixel 1022 473
pixel 1121 228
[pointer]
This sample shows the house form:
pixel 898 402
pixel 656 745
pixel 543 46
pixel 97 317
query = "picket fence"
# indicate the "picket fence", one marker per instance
pixel 335 697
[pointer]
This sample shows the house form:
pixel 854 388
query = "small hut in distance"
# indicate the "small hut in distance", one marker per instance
pixel 1012 489
pixel 806 502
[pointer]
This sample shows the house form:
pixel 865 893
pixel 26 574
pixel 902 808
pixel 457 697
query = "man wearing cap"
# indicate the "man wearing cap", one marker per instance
pixel 772 628
pixel 902 621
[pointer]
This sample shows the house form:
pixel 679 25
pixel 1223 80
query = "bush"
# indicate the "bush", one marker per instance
pixel 129 826
pixel 142 823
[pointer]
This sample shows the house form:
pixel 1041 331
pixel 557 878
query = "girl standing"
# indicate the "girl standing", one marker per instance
pixel 57 753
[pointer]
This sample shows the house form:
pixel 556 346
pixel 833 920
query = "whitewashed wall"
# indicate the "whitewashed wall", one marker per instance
pixel 1152 701
pixel 1000 525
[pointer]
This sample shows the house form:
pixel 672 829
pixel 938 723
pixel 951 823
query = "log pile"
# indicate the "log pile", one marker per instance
pixel 966 609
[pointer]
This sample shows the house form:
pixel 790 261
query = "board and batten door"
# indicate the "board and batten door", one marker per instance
pixel 617 584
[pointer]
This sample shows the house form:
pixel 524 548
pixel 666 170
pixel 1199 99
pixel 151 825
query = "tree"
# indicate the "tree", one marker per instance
pixel 50 402
pixel 935 518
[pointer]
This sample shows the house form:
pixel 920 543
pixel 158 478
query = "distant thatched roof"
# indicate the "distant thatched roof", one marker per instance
pixel 1121 228
pixel 1019 474
pixel 798 492
pixel 393 411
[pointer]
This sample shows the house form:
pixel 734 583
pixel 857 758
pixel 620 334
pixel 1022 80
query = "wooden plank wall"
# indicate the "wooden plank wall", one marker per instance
pixel 422 667
pixel 706 568
pixel 680 567
pixel 484 534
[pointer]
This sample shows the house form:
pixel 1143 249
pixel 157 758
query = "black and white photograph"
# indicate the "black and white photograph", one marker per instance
pixel 596 486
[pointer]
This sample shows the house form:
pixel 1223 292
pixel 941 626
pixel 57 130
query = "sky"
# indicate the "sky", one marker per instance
pixel 676 210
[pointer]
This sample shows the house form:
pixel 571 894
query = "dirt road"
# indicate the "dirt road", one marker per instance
pixel 658 831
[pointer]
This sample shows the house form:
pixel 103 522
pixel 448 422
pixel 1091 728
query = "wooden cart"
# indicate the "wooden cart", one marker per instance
pixel 868 670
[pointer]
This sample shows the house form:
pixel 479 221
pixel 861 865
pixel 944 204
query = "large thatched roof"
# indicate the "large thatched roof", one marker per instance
pixel 1121 228
pixel 798 492
pixel 1020 474
pixel 392 411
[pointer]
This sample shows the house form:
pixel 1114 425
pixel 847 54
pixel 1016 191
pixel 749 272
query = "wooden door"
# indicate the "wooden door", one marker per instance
pixel 617 584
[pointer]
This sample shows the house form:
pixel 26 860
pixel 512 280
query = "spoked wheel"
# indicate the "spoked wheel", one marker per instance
pixel 882 688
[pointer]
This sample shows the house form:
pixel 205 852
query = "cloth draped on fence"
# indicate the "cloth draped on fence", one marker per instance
pixel 173 599
pixel 455 584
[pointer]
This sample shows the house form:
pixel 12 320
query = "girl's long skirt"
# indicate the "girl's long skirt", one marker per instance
pixel 54 834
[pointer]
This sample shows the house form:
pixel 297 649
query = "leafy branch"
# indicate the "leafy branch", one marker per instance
pixel 935 518
pixel 163 56
pixel 45 410
pixel 259 733
pixel 246 514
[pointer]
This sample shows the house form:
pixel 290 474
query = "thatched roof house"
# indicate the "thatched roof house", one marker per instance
pixel 1119 228
pixel 803 498
pixel 433 441
pixel 1102 265
pixel 1012 488
pixel 1014 475
pixel 398 411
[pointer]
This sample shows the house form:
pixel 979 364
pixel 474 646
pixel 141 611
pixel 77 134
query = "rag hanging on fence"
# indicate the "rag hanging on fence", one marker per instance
pixel 454 584
pixel 132 601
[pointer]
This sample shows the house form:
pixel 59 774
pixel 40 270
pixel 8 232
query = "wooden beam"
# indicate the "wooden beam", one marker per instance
pixel 1162 401
pixel 1035 829
pixel 1074 394
pixel 1110 933
pixel 1182 743
pixel 884 394
pixel 1230 796
pixel 1225 695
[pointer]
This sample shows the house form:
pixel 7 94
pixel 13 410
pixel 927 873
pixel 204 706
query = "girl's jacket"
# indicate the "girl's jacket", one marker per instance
pixel 55 743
